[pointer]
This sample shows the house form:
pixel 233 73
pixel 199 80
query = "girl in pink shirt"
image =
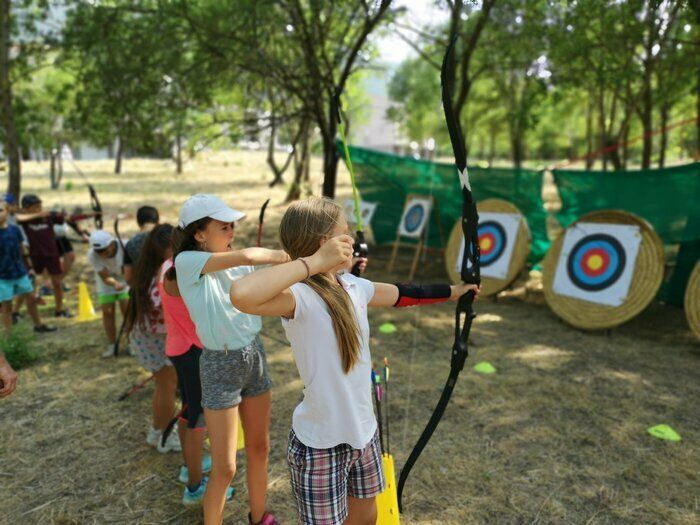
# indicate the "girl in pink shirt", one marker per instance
pixel 183 348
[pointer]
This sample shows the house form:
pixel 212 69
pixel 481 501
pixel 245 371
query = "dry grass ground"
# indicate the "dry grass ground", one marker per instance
pixel 557 436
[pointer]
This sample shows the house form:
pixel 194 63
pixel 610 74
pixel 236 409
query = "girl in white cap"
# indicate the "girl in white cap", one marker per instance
pixel 107 258
pixel 233 367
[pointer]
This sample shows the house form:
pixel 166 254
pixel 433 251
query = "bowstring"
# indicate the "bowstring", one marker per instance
pixel 416 321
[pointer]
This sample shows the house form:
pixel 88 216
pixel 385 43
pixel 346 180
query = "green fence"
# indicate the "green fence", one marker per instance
pixel 668 198
pixel 386 179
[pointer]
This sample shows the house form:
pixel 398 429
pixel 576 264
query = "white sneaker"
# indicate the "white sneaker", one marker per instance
pixel 172 444
pixel 109 352
pixel 153 436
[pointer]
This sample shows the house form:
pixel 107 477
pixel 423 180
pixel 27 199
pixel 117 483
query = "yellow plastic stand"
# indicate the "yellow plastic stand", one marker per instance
pixel 86 312
pixel 388 501
pixel 241 436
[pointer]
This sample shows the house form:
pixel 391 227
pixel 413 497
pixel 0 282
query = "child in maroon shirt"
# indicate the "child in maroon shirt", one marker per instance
pixel 43 250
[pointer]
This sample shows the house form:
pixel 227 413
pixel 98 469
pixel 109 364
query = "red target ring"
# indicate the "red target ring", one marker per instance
pixel 595 262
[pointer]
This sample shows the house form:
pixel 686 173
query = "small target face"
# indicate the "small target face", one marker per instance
pixel 414 218
pixel 596 262
pixel 492 241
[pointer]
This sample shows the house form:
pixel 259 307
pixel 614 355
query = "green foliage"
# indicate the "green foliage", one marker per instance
pixel 17 347
pixel 552 80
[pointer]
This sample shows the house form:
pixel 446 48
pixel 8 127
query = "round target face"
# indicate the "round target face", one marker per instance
pixel 414 218
pixel 596 262
pixel 492 241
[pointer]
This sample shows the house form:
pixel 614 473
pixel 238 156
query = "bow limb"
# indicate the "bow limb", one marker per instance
pixel 464 314
pixel 96 207
pixel 360 248
pixel 261 218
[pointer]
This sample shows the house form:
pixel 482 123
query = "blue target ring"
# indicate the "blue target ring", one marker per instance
pixel 414 218
pixel 596 262
pixel 492 241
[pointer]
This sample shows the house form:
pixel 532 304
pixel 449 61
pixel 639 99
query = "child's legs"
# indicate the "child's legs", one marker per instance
pixel 361 511
pixel 68 260
pixel 223 435
pixel 57 291
pixel 255 416
pixel 19 301
pixel 123 305
pixel 164 396
pixel 108 322
pixel 32 308
pixel 192 440
pixel 6 307
pixel 191 427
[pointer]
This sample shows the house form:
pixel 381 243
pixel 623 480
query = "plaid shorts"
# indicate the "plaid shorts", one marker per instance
pixel 323 478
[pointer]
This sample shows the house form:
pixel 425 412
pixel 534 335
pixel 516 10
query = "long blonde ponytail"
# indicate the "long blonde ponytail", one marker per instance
pixel 303 226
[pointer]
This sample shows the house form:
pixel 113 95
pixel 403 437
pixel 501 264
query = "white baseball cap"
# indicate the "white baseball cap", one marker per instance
pixel 100 239
pixel 205 205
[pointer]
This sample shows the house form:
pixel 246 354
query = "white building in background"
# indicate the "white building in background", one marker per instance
pixel 377 132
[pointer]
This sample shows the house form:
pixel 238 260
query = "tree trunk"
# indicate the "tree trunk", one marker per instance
pixel 645 112
pixel 7 120
pixel 492 146
pixel 330 165
pixel 302 161
pixel 118 157
pixel 697 113
pixel 516 145
pixel 277 171
pixel 664 134
pixel 625 148
pixel 178 154
pixel 589 134
pixel 53 170
pixel 601 125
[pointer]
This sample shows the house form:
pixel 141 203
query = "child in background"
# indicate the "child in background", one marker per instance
pixel 12 208
pixel 106 258
pixel 183 348
pixel 147 218
pixel 333 453
pixel 145 325
pixel 14 276
pixel 38 227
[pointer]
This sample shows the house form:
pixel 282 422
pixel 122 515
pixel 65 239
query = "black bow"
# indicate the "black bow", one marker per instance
pixel 261 218
pixel 464 314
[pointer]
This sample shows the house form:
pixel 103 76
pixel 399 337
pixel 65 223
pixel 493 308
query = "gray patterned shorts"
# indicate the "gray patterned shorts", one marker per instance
pixel 227 376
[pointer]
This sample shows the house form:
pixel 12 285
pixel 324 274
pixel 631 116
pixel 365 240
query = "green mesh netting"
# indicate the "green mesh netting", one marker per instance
pixel 386 179
pixel 668 198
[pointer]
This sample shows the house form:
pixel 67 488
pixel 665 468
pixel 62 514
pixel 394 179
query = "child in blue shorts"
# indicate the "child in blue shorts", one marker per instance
pixel 14 277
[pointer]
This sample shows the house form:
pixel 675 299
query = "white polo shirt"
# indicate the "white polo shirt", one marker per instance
pixel 337 407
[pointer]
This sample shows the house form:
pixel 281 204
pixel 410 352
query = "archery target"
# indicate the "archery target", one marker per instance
pixel 367 210
pixel 497 234
pixel 597 261
pixel 415 216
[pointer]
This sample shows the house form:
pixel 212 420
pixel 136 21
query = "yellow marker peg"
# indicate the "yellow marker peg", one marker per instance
pixel 86 312
pixel 388 501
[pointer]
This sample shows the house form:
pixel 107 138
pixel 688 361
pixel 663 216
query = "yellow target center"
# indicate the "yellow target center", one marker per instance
pixel 595 262
pixel 485 244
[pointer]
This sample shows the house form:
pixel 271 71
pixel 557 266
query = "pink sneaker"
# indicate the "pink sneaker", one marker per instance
pixel 267 519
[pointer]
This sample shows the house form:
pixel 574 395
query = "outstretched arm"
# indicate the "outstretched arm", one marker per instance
pixel 416 295
pixel 245 257
pixel 266 291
